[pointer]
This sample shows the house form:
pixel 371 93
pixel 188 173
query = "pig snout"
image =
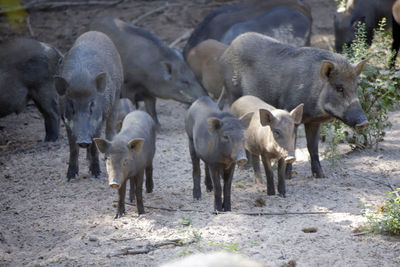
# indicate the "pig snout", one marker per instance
pixel 362 125
pixel 241 158
pixel 114 183
pixel 84 143
pixel 290 158
pixel 355 117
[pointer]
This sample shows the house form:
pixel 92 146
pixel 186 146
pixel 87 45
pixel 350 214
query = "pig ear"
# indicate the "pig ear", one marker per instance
pixel 167 67
pixel 101 82
pixel 213 124
pixel 136 145
pixel 245 119
pixel 326 69
pixel 266 117
pixel 102 144
pixel 359 66
pixel 297 113
pixel 61 84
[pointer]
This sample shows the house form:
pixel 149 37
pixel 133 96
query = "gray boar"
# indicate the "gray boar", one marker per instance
pixel 287 25
pixel 129 155
pixel 216 24
pixel 151 68
pixel 27 68
pixel 271 135
pixel 204 61
pixel 285 76
pixel 124 107
pixel 369 12
pixel 89 82
pixel 215 137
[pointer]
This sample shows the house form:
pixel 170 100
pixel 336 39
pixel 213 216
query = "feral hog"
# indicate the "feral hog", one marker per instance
pixel 215 137
pixel 271 135
pixel 151 68
pixel 27 68
pixel 395 31
pixel 129 155
pixel 216 24
pixel 89 82
pixel 203 59
pixel 369 12
pixel 285 76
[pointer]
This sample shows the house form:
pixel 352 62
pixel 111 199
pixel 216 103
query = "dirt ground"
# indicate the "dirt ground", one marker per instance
pixel 45 221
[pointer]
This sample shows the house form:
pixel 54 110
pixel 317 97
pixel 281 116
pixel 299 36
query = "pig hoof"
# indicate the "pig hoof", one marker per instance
pixel 282 195
pixel 270 193
pixel 196 198
pixel 96 176
pixel 210 189
pixel 318 175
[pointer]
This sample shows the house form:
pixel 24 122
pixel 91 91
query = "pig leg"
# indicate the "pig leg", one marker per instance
pixel 111 121
pixel 94 164
pixel 215 176
pixel 281 177
pixel 149 179
pixel 269 173
pixel 131 190
pixel 312 135
pixel 289 166
pixel 196 171
pixel 228 175
pixel 73 167
pixel 208 181
pixel 255 161
pixel 139 192
pixel 48 106
pixel 150 106
pixel 396 42
pixel 121 200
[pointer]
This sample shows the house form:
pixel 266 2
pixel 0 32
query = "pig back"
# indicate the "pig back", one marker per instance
pixel 139 124
pixel 281 75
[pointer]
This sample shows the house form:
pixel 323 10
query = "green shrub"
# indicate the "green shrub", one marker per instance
pixel 378 90
pixel 385 219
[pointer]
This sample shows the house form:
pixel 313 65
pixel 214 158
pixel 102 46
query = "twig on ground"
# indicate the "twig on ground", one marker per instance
pixel 28 24
pixel 34 5
pixel 151 12
pixel 360 233
pixel 181 38
pixel 392 187
pixel 151 247
pixel 242 213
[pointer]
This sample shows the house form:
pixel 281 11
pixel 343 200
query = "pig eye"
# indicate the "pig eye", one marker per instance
pixel 91 107
pixel 277 133
pixel 339 89
pixel 225 138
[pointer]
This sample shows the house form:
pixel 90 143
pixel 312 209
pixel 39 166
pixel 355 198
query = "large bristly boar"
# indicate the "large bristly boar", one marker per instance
pixel 285 24
pixel 369 12
pixel 216 24
pixel 151 68
pixel 204 61
pixel 27 68
pixel 271 135
pixel 215 137
pixel 285 76
pixel 89 82
pixel 129 155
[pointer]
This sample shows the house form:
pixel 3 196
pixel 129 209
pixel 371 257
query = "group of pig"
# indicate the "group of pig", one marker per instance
pixel 266 88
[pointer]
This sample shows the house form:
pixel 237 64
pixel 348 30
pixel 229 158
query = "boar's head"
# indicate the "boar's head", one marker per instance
pixel 339 96
pixel 282 125
pixel 228 137
pixel 178 80
pixel 120 158
pixel 84 105
pixel 344 29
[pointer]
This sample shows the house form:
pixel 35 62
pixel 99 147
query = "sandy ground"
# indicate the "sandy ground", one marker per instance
pixel 48 222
